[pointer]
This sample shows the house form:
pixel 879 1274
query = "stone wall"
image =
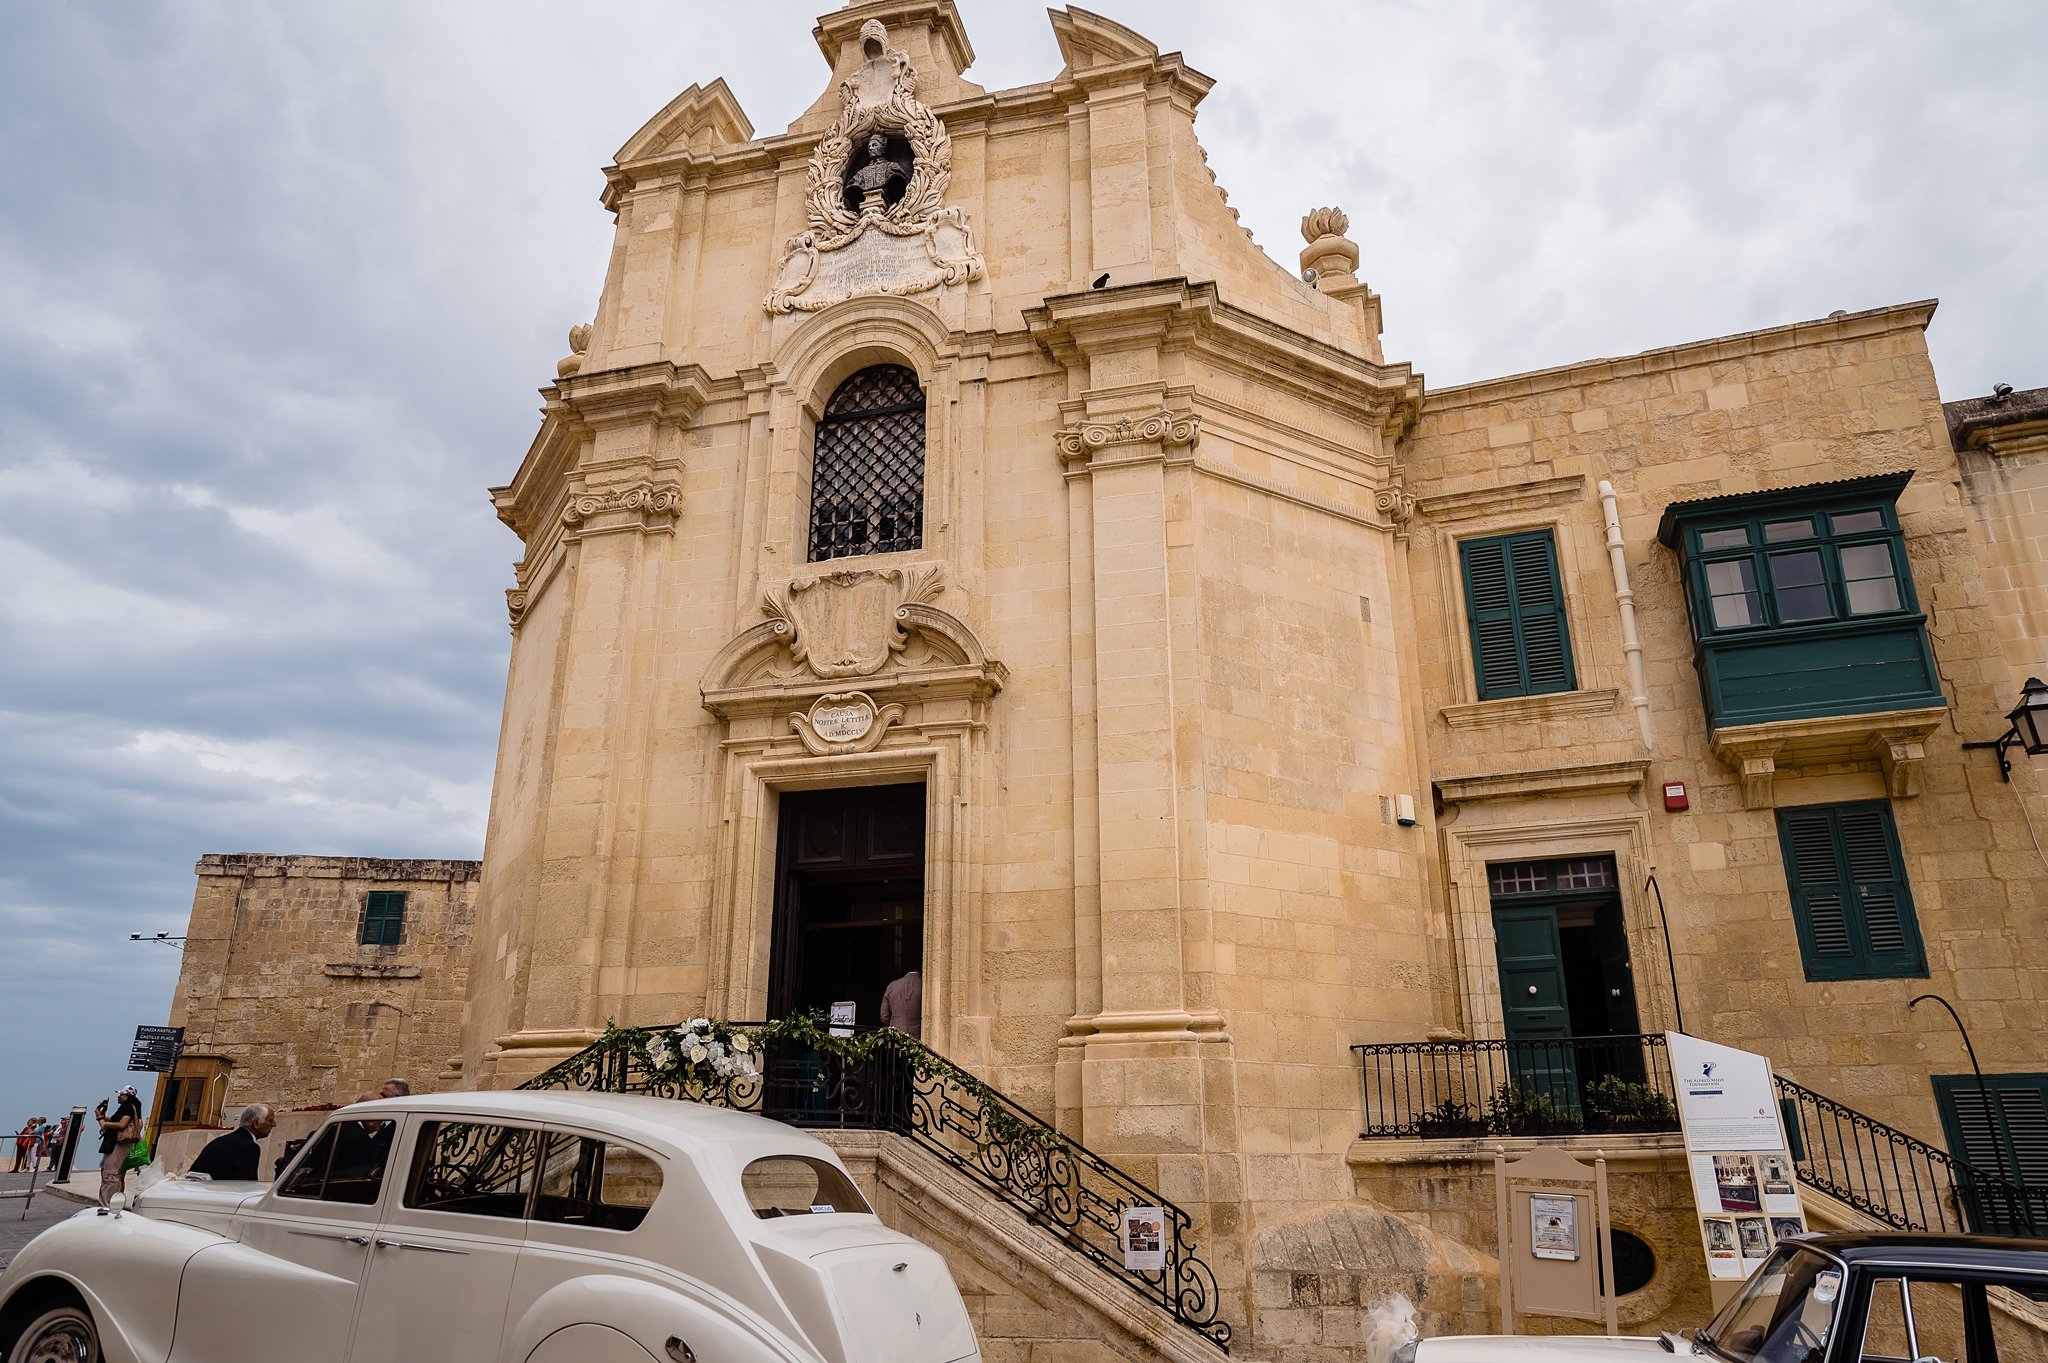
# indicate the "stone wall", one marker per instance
pixel 276 983
pixel 2001 449
pixel 1568 774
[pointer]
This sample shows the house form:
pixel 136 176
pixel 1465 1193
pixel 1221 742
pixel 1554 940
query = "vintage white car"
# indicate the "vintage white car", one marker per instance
pixel 479 1227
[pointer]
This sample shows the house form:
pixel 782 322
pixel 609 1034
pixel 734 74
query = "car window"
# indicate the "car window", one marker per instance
pixel 797 1185
pixel 1885 1335
pixel 589 1182
pixel 1783 1314
pixel 476 1168
pixel 344 1164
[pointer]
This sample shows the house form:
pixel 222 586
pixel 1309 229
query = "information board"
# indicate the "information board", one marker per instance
pixel 1743 1179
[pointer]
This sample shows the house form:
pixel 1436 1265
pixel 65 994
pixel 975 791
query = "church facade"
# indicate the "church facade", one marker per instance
pixel 954 546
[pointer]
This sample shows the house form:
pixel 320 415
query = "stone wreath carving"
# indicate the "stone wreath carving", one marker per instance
pixel 1162 427
pixel 861 241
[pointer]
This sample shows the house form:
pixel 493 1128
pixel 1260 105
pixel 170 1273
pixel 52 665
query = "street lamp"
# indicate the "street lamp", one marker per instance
pixel 1983 1090
pixel 2026 727
pixel 164 937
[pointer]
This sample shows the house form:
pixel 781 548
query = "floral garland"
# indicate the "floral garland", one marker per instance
pixel 707 1055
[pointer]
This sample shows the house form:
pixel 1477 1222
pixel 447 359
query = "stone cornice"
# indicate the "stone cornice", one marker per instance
pixel 2007 424
pixel 1175 314
pixel 1824 331
pixel 1527 709
pixel 660 391
pixel 1579 780
pixel 1533 495
pixel 576 407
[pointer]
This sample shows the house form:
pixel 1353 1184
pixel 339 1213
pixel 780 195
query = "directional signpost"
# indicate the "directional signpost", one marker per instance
pixel 157 1049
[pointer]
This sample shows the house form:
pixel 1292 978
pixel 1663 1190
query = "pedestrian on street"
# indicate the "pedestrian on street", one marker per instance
pixel 118 1135
pixel 46 1152
pixel 233 1158
pixel 25 1141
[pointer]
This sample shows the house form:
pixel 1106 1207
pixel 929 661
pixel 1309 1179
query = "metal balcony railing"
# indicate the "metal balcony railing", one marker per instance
pixel 1444 1089
pixel 1451 1089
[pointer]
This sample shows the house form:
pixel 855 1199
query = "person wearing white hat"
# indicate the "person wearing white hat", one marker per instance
pixel 118 1135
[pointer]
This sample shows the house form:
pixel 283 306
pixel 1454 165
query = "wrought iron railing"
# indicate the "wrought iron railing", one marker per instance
pixel 1447 1089
pixel 1899 1179
pixel 1442 1089
pixel 894 1083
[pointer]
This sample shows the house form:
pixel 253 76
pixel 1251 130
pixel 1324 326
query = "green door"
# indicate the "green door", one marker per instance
pixel 1533 1005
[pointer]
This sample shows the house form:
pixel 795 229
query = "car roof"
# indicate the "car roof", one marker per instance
pixel 1897 1249
pixel 664 1123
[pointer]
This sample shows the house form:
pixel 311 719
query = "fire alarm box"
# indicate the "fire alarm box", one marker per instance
pixel 1674 796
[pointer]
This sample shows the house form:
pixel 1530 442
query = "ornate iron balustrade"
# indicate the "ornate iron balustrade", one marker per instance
pixel 1899 1179
pixel 1443 1089
pixel 887 1081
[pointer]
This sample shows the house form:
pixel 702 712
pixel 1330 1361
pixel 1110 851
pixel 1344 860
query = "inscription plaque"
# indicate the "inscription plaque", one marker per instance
pixel 842 718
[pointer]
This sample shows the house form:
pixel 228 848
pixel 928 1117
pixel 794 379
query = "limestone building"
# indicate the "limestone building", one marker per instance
pixel 307 980
pixel 955 545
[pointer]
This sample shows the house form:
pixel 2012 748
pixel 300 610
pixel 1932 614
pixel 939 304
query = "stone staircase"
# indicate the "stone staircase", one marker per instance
pixel 1032 1299
pixel 1029 1217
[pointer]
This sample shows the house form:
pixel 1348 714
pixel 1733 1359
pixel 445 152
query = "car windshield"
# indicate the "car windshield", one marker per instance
pixel 1783 1314
pixel 796 1185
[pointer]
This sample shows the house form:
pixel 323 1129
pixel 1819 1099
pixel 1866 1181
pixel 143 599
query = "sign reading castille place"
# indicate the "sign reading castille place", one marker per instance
pixel 157 1049
pixel 842 718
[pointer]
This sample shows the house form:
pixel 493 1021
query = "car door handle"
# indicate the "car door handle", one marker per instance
pixel 408 1244
pixel 333 1235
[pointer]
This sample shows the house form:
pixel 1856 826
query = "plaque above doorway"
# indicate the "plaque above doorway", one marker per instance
pixel 844 722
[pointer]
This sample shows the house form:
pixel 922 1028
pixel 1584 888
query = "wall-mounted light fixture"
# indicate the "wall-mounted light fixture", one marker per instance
pixel 2027 727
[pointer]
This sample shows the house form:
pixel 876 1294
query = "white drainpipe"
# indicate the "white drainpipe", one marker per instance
pixel 1631 642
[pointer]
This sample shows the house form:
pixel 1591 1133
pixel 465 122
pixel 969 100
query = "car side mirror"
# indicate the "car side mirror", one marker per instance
pixel 118 1203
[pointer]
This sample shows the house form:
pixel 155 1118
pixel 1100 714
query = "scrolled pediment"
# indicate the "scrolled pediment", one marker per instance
pixel 877 626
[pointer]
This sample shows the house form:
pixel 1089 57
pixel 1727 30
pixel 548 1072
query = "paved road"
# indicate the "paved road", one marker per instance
pixel 46 1210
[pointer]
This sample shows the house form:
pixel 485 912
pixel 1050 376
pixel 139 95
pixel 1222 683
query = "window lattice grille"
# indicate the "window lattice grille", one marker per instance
pixel 867 479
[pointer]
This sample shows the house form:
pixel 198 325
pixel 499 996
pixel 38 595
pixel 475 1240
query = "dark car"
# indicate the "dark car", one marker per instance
pixel 1852 1298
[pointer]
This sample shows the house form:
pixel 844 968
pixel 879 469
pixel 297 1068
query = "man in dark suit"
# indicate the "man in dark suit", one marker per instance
pixel 233 1158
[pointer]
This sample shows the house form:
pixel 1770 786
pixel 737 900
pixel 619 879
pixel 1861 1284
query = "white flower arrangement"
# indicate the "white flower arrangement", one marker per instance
pixel 727 1053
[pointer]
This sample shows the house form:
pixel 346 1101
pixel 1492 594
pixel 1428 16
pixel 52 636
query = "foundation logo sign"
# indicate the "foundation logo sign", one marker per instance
pixel 1724 1096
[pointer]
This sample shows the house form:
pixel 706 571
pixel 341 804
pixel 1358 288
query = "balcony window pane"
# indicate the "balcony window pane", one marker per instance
pixel 1858 520
pixel 1776 531
pixel 1867 571
pixel 1800 586
pixel 1732 588
pixel 1736 537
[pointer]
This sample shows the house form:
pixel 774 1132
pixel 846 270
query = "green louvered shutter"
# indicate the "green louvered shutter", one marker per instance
pixel 383 918
pixel 2018 1150
pixel 1515 602
pixel 1850 901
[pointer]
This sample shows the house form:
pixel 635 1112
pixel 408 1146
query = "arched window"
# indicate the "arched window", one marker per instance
pixel 867 479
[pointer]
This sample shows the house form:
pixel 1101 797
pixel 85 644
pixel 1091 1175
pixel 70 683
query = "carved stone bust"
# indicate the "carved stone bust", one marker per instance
pixel 869 180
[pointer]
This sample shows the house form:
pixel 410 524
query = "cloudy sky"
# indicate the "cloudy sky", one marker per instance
pixel 277 285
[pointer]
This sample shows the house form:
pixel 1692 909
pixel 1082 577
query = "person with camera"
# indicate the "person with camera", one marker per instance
pixel 118 1135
